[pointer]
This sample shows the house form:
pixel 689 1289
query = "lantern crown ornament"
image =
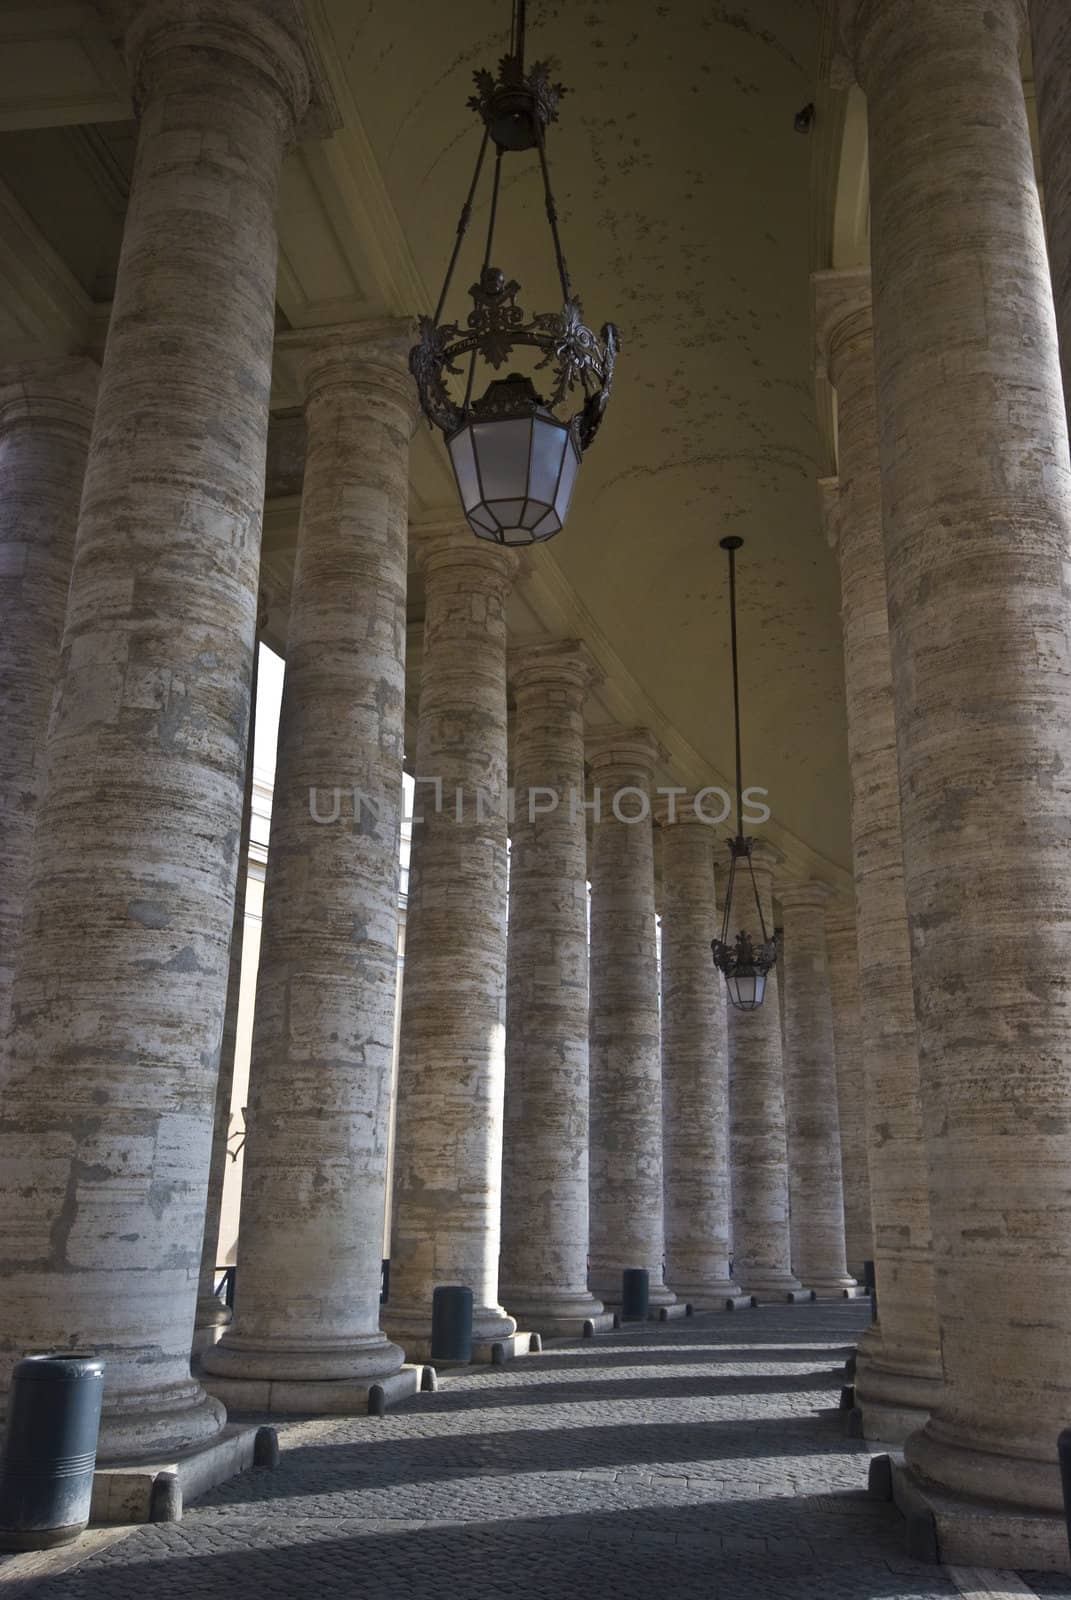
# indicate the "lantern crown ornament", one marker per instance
pixel 745 961
pixel 515 456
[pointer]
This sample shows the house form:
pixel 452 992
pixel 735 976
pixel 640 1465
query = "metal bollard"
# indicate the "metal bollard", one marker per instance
pixel 1063 1450
pixel 635 1294
pixel 451 1323
pixel 50 1450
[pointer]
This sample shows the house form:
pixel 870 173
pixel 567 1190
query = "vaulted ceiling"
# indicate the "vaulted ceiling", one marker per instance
pixel 692 213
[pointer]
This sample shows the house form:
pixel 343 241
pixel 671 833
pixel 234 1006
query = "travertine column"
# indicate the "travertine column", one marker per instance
pixel 1050 25
pixel 46 408
pixel 851 1089
pixel 898 1371
pixel 213 1315
pixel 122 975
pixel 448 1136
pixel 695 1065
pixel 626 1065
pixel 813 1127
pixel 758 1153
pixel 545 1154
pixel 976 491
pixel 306 1310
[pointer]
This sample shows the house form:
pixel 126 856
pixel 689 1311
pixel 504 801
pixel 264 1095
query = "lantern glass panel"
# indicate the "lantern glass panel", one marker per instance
pixel 464 460
pixel 502 450
pixel 747 990
pixel 565 483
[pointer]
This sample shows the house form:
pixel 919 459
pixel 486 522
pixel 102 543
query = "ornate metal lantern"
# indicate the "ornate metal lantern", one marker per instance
pixel 744 962
pixel 514 458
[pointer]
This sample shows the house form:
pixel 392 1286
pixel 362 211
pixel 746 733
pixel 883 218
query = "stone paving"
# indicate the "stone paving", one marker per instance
pixel 703 1456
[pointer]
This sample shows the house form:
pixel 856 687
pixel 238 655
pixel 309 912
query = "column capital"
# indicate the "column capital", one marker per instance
pixel 680 811
pixel 49 393
pixel 349 359
pixel 766 857
pixel 438 546
pixel 271 37
pixel 843 315
pixel 813 895
pixel 610 748
pixel 556 663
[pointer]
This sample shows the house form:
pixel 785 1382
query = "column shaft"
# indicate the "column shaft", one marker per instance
pixel 851 1089
pixel 122 977
pixel 758 1148
pixel 695 1067
pixel 545 1152
pixel 815 1186
pixel 448 1136
pixel 626 1066
pixel 1050 24
pixel 976 495
pixel 46 409
pixel 213 1315
pixel 898 1371
pixel 306 1312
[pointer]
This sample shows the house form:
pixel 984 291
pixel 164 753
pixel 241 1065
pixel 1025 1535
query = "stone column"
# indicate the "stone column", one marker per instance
pixel 545 1155
pixel 758 1151
pixel 695 1066
pixel 448 1135
pixel 851 1090
pixel 122 975
pixel 213 1315
pixel 46 409
pixel 976 491
pixel 815 1189
pixel 305 1335
pixel 1050 24
pixel 898 1372
pixel 626 1065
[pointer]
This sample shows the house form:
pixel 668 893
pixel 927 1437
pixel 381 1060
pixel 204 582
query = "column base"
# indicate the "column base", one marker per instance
pixel 668 1313
pixel 554 1316
pixel 608 1287
pixel 958 1531
pixel 491 1325
pixel 365 1359
pixel 891 1402
pixel 769 1287
pixel 835 1288
pixel 316 1397
pixel 137 1427
pixel 212 1321
pixel 131 1493
pixel 712 1295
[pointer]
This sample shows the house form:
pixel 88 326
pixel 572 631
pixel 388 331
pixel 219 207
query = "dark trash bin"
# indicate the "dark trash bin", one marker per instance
pixel 635 1294
pixel 50 1450
pixel 451 1323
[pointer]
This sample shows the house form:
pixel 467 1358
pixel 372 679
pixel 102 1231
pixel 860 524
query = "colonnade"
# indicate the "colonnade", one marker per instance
pixel 567 1105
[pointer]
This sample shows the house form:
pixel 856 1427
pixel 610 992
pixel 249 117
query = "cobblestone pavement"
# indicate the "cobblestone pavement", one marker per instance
pixel 703 1457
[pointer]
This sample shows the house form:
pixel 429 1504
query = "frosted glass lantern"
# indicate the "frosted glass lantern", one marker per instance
pixel 515 475
pixel 746 990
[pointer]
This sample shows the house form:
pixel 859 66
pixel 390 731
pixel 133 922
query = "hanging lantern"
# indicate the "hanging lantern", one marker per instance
pixel 745 961
pixel 515 459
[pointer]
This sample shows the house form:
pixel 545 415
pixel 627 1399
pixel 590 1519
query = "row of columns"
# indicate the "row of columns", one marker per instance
pixel 951 518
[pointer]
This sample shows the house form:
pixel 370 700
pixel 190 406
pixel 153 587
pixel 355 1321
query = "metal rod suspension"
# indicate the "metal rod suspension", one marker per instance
pixel 462 226
pixel 736 695
pixel 552 211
